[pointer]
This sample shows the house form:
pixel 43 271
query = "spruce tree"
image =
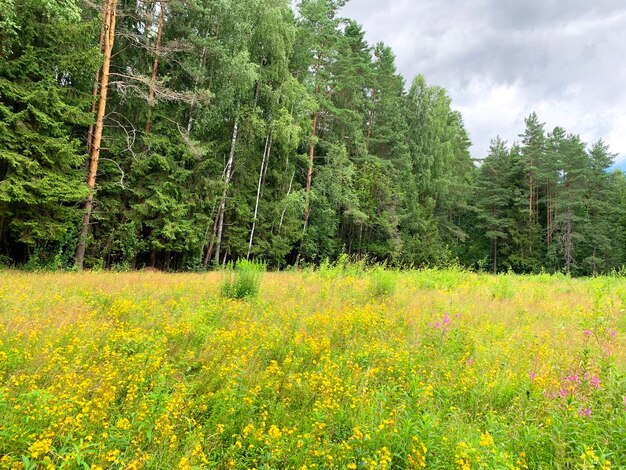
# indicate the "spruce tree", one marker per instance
pixel 45 69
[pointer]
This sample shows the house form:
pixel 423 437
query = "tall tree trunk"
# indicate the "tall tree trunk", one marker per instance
pixel 537 202
pixel 155 67
pixel 109 40
pixel 2 229
pixel 568 243
pixel 209 252
pixel 531 192
pixel 218 227
pixel 594 264
pixel 494 244
pixel 266 154
pixel 282 215
pixel 549 215
pixel 569 248
pixel 309 175
pixel 96 82
pixel 555 211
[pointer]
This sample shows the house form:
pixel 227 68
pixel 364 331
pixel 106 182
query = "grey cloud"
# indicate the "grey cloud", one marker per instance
pixel 529 15
pixel 561 58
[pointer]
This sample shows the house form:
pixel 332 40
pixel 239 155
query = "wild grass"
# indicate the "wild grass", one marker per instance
pixel 383 282
pixel 431 369
pixel 242 280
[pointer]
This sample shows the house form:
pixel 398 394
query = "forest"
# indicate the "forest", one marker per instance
pixel 182 134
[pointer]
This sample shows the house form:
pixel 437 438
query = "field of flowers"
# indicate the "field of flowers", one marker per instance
pixel 327 369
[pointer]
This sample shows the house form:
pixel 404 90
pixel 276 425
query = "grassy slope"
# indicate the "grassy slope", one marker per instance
pixel 451 370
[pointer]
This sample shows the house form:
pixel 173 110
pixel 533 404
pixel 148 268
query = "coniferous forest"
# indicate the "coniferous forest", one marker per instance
pixel 180 134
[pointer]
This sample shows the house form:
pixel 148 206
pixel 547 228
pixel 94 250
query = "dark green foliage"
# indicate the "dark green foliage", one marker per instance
pixel 208 134
pixel 45 68
pixel 495 199
pixel 568 220
pixel 441 173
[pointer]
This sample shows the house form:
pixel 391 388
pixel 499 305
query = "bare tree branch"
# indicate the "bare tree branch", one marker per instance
pixel 120 170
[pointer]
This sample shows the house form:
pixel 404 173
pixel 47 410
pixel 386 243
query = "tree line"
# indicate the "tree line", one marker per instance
pixel 181 134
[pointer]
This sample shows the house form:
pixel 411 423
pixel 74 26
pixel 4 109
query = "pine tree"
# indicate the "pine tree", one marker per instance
pixel 528 230
pixel 109 14
pixel 549 176
pixel 379 173
pixel 494 202
pixel 572 218
pixel 601 253
pixel 317 46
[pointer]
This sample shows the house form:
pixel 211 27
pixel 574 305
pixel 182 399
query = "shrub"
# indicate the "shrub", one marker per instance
pixel 344 266
pixel 243 280
pixel 502 288
pixel 382 283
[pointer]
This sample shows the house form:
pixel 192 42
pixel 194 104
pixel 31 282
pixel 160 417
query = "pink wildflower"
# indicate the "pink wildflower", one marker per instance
pixel 585 412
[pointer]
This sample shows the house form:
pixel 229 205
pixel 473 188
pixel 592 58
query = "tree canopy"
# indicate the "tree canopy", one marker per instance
pixel 255 128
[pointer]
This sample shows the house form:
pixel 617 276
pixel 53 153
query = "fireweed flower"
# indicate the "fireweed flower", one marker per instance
pixel 122 355
pixel 587 333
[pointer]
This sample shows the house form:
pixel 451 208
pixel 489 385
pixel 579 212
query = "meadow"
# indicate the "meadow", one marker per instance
pixel 337 368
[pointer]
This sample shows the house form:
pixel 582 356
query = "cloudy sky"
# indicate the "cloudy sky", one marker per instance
pixel 502 59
